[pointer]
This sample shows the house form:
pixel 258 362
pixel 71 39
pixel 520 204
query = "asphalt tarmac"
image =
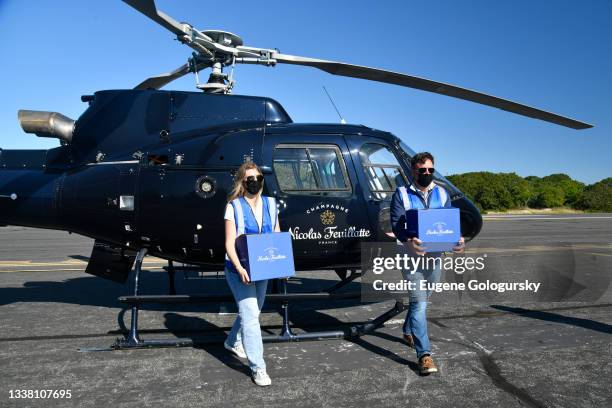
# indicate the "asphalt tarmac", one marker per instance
pixel 547 349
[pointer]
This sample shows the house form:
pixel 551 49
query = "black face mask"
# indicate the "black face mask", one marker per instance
pixel 424 179
pixel 253 186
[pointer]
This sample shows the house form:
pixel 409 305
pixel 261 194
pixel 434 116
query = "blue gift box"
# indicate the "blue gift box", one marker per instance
pixel 438 228
pixel 266 256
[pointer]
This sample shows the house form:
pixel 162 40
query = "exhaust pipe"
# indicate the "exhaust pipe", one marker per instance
pixel 46 124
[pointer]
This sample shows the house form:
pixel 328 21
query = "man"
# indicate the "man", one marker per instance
pixel 422 193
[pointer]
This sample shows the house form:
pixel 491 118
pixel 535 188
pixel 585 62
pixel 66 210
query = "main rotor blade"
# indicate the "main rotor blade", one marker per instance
pixel 148 8
pixel 158 81
pixel 379 75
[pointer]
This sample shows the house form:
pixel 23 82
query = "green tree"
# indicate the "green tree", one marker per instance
pixel 503 191
pixel 572 189
pixel 597 197
pixel 519 189
pixel 547 196
pixel 493 191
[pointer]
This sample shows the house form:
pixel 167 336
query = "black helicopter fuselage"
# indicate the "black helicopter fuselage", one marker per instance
pixel 154 168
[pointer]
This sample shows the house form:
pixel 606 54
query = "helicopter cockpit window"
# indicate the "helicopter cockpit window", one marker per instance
pixel 382 169
pixel 310 169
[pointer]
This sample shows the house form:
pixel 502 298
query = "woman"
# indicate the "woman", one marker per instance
pixel 247 212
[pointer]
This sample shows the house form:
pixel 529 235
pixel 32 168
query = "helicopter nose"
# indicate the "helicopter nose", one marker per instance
pixel 471 219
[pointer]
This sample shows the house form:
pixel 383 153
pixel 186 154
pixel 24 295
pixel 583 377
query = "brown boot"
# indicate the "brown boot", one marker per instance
pixel 409 340
pixel 426 365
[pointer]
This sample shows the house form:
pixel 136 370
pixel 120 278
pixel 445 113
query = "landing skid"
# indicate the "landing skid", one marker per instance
pixel 133 339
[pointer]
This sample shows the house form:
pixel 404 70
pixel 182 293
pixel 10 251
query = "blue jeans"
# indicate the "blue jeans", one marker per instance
pixel 250 299
pixel 416 318
pixel 416 324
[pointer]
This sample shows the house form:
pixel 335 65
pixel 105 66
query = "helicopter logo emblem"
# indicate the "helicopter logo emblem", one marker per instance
pixel 439 229
pixel 327 217
pixel 270 255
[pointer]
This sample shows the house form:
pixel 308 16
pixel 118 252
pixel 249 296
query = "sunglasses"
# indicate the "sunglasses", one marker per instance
pixel 423 170
pixel 253 178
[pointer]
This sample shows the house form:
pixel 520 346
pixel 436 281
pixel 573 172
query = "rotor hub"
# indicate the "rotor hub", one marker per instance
pixel 218 82
pixel 224 38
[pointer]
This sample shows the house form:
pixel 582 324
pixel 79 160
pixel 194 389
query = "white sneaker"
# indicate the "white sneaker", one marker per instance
pixel 261 378
pixel 237 350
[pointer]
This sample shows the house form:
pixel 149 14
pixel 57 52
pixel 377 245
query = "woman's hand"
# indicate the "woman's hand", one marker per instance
pixel 230 249
pixel 244 275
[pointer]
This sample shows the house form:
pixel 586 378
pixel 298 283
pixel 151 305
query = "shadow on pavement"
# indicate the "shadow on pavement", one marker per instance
pixel 557 318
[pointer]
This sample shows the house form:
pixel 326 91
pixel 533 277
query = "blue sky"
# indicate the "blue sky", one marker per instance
pixel 555 55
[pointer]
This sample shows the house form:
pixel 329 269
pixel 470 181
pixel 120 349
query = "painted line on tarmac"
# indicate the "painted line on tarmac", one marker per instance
pixel 43 270
pixel 538 217
pixel 13 264
pixel 67 265
pixel 535 248
pixel 598 253
pixel 48 270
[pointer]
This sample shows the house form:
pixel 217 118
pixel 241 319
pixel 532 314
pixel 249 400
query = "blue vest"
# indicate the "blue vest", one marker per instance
pixel 437 198
pixel 246 223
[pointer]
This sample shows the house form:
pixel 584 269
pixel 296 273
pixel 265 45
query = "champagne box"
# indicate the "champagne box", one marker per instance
pixel 266 256
pixel 438 228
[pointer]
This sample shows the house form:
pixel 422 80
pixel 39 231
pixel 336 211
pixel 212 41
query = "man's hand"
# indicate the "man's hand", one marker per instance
pixel 460 246
pixel 244 275
pixel 414 246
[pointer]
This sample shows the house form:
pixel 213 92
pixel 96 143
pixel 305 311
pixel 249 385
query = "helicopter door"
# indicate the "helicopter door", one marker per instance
pixel 380 172
pixel 315 187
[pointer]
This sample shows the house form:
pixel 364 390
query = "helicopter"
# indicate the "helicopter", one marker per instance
pixel 148 171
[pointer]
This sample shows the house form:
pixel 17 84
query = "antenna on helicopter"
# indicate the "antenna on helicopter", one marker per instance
pixel 334 105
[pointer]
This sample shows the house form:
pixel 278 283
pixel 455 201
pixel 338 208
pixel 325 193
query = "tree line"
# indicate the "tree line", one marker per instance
pixel 506 191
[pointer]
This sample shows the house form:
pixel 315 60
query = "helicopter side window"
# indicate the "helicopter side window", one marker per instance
pixel 382 169
pixel 310 169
